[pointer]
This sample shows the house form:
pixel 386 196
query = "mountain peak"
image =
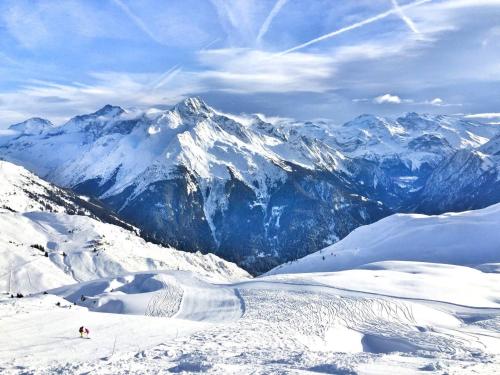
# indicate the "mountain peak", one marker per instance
pixel 414 120
pixel 34 125
pixel 364 120
pixel 192 105
pixel 109 110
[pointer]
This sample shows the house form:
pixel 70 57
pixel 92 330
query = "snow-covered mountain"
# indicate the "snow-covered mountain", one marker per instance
pixel 32 126
pixel 395 157
pixel 465 238
pixel 50 237
pixel 467 179
pixel 253 191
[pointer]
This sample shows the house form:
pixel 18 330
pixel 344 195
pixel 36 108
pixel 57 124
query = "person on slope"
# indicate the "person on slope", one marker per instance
pixel 84 331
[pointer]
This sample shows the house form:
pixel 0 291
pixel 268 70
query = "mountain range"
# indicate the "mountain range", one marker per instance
pixel 254 190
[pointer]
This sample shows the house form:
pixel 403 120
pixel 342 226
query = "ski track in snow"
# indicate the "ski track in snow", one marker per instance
pixel 261 326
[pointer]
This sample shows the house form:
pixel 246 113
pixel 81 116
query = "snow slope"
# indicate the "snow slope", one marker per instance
pixel 287 324
pixel 81 249
pixel 465 238
pixel 179 294
pixel 22 191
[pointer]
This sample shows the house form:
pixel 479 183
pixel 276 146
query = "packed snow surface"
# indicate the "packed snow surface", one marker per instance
pixel 465 238
pixel 338 322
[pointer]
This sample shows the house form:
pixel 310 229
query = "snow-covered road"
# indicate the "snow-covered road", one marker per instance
pixel 279 324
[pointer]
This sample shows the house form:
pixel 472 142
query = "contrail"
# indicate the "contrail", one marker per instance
pixel 404 17
pixel 137 20
pixel 354 26
pixel 265 26
pixel 209 44
pixel 167 76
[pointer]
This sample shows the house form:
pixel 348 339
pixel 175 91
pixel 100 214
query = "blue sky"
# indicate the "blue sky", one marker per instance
pixel 294 58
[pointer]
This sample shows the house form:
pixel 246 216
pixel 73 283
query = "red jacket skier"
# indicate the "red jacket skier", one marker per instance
pixel 83 331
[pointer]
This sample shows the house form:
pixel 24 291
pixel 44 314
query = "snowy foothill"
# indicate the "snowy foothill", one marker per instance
pixel 465 238
pixel 21 190
pixel 42 250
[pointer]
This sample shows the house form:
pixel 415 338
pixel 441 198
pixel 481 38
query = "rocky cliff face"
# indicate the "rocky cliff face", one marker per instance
pixel 255 192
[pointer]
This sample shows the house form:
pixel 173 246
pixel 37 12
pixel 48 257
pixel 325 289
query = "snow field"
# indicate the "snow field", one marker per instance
pixel 465 238
pixel 299 323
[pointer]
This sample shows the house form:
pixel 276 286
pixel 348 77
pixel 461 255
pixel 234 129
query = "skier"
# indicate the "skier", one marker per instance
pixel 84 331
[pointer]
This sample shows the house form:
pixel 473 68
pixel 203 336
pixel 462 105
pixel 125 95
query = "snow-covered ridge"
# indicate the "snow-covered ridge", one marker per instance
pixel 466 238
pixel 415 138
pixel 22 191
pixel 41 251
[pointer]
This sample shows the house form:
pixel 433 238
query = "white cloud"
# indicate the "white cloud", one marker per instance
pixel 252 71
pixel 237 18
pixel 436 101
pixel 167 77
pixel 66 100
pixel 387 98
pixel 26 25
pixel 492 115
pixel 384 61
pixel 394 99
pixel 231 70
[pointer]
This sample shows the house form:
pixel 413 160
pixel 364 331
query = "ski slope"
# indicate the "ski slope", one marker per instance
pixel 336 322
pixel 464 238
